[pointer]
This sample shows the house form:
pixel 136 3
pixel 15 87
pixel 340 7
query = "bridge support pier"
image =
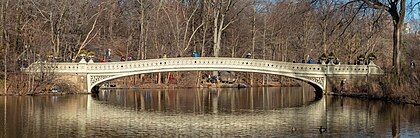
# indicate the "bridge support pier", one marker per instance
pixel 79 81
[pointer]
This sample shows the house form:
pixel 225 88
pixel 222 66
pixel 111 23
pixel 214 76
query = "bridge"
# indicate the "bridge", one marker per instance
pixel 323 77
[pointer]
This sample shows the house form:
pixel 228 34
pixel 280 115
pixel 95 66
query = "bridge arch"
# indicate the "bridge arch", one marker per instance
pixel 315 81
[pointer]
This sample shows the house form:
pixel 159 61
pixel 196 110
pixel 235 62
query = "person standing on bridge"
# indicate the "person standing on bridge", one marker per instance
pixel 195 55
pixel 164 55
pixel 337 61
pixel 108 54
pixel 248 55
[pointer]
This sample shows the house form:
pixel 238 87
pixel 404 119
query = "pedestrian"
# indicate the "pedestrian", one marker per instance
pixel 129 58
pixel 248 55
pixel 122 59
pixel 195 55
pixel 343 85
pixel 303 60
pixel 412 64
pixel 164 55
pixel 209 79
pixel 54 88
pixel 310 61
pixel 103 60
pixel 108 54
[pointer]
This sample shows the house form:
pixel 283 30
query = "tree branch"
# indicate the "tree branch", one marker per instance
pixel 40 11
pixel 192 35
pixel 376 5
pixel 87 40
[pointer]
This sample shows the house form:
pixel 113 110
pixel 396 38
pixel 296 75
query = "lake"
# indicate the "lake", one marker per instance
pixel 250 112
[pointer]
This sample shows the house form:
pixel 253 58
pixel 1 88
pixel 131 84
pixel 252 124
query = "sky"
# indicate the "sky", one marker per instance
pixel 413 15
pixel 416 10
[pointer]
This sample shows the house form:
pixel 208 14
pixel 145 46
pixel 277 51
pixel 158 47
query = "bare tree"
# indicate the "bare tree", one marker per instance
pixel 220 9
pixel 397 10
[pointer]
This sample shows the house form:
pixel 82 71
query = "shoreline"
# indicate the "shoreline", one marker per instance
pixel 371 97
pixel 163 87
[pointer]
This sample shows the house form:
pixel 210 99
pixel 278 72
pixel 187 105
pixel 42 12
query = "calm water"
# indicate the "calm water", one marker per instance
pixel 258 112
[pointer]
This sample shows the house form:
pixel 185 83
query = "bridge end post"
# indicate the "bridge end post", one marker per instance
pixel 88 83
pixel 374 69
pixel 84 77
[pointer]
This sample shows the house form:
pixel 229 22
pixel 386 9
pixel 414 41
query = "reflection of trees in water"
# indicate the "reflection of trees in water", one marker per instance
pixel 373 116
pixel 23 116
pixel 208 100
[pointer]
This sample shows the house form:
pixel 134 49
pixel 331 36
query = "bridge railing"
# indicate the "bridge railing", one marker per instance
pixel 199 62
pixel 206 62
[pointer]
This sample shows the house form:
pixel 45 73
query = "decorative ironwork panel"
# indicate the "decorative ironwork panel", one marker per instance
pixel 318 80
pixel 97 78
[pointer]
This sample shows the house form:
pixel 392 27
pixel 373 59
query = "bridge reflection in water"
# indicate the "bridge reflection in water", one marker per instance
pixel 209 100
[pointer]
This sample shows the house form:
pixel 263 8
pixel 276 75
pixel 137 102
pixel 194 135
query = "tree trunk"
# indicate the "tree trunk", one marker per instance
pixel 198 81
pixel 253 44
pixel 204 40
pixel 112 19
pixel 141 33
pixel 398 17
pixel 2 24
pixel 396 48
pixel 216 44
pixel 324 37
pixel 216 41
pixel 159 78
pixel 326 11
pixel 167 77
pixel 5 63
